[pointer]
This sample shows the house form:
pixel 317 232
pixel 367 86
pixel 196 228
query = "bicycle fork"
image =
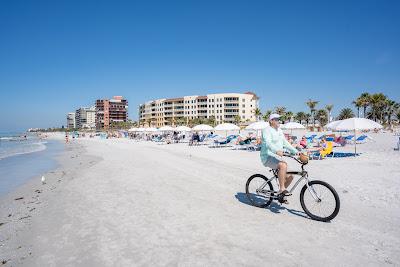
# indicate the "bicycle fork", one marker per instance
pixel 312 191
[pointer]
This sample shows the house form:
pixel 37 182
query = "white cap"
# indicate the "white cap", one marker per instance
pixel 274 116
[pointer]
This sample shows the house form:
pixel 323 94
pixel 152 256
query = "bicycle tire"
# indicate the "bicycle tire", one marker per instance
pixel 250 195
pixel 335 195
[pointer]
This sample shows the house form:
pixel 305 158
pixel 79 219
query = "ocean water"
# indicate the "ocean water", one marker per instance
pixel 23 158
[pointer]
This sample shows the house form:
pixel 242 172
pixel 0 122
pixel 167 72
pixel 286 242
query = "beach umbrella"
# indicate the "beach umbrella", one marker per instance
pixel 357 124
pixel 202 127
pixel 183 129
pixel 133 129
pixel 226 127
pixel 166 129
pixel 150 129
pixel 292 126
pixel 259 125
pixel 332 124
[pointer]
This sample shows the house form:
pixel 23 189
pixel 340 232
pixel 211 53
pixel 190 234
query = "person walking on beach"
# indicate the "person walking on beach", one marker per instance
pixel 66 137
pixel 273 143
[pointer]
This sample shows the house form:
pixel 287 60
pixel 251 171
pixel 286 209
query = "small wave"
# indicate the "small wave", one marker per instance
pixel 32 148
pixel 6 138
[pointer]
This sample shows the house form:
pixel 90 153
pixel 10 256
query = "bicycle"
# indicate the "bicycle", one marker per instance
pixel 315 197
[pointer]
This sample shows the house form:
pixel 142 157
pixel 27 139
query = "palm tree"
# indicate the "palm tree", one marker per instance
pixel 322 117
pixel 300 116
pixel 377 102
pixel 266 115
pixel 364 101
pixel 312 104
pixel 307 118
pixel 329 109
pixel 257 113
pixel 346 113
pixel 237 119
pixel 288 115
pixel 180 121
pixel 358 104
pixel 280 110
pixel 211 120
pixel 391 108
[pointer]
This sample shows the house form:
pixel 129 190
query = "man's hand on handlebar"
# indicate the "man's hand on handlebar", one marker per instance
pixel 281 153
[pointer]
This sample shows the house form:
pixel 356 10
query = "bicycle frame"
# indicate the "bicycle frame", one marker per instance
pixel 303 176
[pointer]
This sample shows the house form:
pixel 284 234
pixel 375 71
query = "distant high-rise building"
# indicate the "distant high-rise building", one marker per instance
pixel 111 110
pixel 71 120
pixel 85 118
pixel 224 107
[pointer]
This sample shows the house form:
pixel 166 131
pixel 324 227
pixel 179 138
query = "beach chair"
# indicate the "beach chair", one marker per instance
pixel 361 139
pixel 223 143
pixel 242 145
pixel 324 153
pixel 348 138
pixel 310 138
pixel 254 147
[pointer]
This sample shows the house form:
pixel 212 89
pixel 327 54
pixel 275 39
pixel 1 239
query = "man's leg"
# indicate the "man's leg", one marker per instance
pixel 289 179
pixel 282 175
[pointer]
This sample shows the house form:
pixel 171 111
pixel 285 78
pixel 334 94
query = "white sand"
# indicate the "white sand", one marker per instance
pixel 147 204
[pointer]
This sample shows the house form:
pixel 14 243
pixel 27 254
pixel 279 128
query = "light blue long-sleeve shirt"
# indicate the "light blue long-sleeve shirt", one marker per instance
pixel 273 141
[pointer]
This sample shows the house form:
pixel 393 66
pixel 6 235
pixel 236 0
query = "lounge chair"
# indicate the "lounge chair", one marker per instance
pixel 254 146
pixel 310 138
pixel 325 152
pixel 242 145
pixel 342 155
pixel 348 138
pixel 223 143
pixel 361 139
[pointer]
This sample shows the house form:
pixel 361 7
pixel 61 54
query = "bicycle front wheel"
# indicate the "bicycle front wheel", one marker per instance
pixel 320 201
pixel 259 191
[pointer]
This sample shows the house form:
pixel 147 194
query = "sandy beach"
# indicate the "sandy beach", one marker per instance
pixel 117 202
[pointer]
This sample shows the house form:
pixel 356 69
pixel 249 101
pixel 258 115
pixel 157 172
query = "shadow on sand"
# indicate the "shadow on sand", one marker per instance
pixel 273 207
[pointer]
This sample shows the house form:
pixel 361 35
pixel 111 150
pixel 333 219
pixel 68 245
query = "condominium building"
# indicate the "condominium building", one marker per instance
pixel 109 111
pixel 224 107
pixel 71 120
pixel 85 118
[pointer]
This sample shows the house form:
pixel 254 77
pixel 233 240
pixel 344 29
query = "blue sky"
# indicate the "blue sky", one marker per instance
pixel 58 55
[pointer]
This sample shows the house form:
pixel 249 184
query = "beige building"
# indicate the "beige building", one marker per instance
pixel 71 120
pixel 223 107
pixel 85 118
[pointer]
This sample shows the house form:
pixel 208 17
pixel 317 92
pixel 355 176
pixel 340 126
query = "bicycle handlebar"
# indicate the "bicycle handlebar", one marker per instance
pixel 296 159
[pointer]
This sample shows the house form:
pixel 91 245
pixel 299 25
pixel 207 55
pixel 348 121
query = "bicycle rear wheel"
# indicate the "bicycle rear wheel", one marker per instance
pixel 320 201
pixel 259 191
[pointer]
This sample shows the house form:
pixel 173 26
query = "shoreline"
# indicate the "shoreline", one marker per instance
pixel 25 166
pixel 22 204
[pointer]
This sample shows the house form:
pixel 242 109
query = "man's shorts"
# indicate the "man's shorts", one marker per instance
pixel 271 162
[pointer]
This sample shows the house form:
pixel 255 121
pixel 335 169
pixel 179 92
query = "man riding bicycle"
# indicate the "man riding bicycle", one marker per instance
pixel 273 144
